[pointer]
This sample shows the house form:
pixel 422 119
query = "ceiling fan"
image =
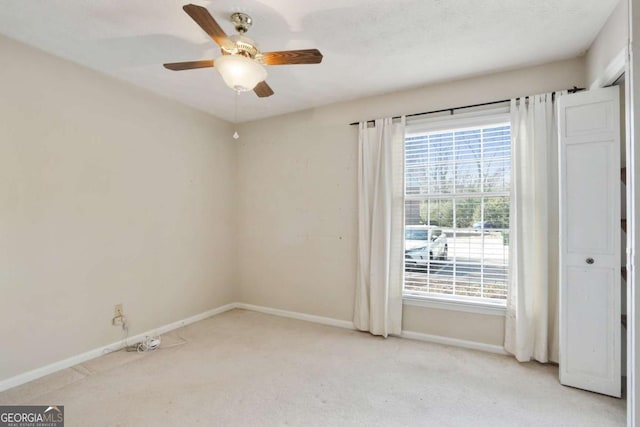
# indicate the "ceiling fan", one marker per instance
pixel 241 63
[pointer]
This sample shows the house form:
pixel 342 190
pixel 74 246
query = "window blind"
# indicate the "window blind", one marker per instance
pixel 457 184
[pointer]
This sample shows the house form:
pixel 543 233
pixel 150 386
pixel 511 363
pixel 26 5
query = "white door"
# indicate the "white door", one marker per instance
pixel 589 135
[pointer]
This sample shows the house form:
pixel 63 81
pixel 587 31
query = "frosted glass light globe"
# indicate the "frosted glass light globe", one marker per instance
pixel 239 72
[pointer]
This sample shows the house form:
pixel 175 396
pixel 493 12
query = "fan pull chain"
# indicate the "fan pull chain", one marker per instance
pixel 235 117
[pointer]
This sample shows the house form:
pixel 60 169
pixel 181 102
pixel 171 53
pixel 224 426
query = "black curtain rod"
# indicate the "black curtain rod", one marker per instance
pixel 573 90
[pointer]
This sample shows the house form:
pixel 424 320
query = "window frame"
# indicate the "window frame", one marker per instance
pixel 456 121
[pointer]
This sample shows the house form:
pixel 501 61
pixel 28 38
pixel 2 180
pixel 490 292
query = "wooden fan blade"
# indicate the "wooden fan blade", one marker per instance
pixel 189 65
pixel 284 57
pixel 203 18
pixel 263 90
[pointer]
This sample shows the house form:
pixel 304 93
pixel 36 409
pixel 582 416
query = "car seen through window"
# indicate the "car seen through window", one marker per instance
pixel 423 244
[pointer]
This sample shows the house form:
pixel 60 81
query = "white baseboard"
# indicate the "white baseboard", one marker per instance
pixel 184 322
pixel 92 354
pixel 473 345
pixel 299 316
pixel 97 352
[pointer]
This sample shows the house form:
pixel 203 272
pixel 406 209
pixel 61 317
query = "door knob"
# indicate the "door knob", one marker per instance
pixel 590 260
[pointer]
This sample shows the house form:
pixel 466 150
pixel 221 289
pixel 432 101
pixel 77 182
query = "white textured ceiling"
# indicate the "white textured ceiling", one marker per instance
pixel 370 46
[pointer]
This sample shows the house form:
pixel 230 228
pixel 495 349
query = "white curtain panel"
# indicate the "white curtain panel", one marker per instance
pixel 378 305
pixel 531 329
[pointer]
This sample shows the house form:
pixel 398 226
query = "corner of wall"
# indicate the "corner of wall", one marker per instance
pixel 606 57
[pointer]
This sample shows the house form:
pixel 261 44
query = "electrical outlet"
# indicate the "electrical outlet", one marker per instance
pixel 118 317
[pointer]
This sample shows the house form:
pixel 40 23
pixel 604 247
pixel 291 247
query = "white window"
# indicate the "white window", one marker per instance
pixel 457 181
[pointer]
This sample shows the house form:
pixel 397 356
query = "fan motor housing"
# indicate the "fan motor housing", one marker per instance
pixel 241 45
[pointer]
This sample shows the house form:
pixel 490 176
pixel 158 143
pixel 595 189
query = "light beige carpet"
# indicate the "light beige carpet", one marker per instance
pixel 244 368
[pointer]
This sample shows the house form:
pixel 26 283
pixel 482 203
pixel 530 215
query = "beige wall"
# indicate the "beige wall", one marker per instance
pixel 297 199
pixel 108 194
pixel 605 58
pixel 484 328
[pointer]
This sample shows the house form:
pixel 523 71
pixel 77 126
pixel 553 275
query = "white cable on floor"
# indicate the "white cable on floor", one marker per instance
pixel 152 343
pixel 149 344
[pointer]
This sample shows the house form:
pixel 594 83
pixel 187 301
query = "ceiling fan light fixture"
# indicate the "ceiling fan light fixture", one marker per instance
pixel 240 73
pixel 241 63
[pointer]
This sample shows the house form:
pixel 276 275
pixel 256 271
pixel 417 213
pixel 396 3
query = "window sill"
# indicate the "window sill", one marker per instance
pixel 455 305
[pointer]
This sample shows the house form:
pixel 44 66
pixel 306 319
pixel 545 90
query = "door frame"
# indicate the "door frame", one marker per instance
pixel 632 98
pixel 630 65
